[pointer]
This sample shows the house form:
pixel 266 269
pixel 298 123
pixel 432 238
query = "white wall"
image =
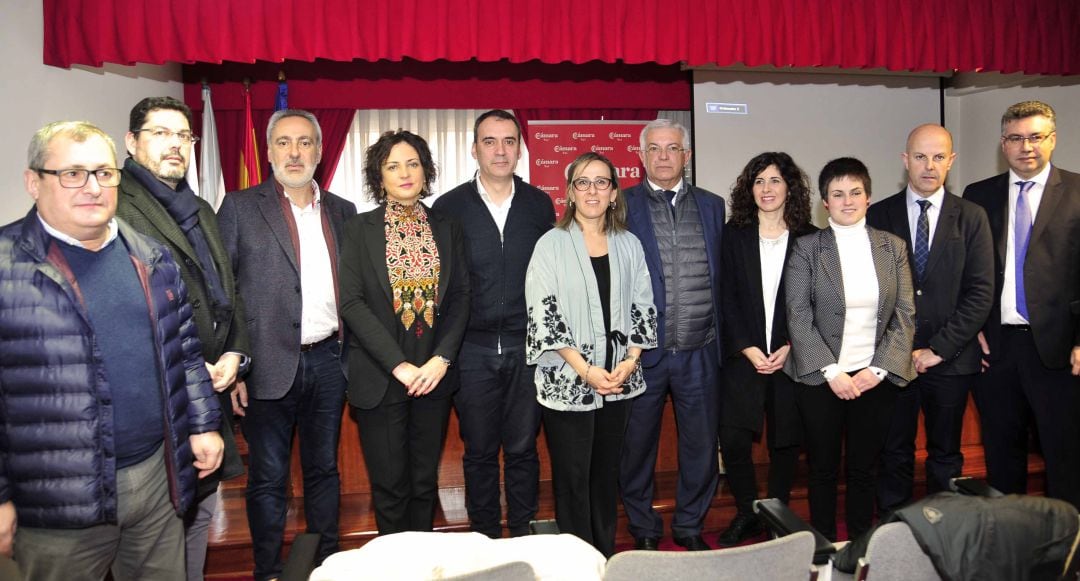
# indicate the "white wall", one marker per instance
pixel 34 94
pixel 814 117
pixel 973 107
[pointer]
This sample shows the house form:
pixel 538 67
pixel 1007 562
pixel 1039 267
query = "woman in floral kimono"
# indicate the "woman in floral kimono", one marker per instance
pixel 591 313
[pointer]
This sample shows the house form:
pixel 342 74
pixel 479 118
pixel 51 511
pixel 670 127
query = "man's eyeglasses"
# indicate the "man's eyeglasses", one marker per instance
pixel 162 134
pixel 1016 140
pixel 673 149
pixel 582 184
pixel 107 177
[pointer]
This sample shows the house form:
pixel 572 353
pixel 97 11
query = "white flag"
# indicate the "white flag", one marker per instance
pixel 212 184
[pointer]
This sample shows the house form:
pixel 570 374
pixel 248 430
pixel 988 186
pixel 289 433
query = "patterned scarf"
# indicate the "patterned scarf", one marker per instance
pixel 412 260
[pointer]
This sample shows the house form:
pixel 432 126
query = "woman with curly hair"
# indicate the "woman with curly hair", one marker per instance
pixel 404 298
pixel 591 312
pixel 770 207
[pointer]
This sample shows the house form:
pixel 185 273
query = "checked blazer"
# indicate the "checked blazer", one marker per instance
pixel 816 309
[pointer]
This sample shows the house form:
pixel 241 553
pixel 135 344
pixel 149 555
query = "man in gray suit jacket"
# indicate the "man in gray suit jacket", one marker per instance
pixel 283 236
pixel 952 260
pixel 155 199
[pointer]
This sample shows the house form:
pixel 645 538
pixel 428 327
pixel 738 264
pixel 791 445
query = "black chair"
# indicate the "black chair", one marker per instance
pixel 782 521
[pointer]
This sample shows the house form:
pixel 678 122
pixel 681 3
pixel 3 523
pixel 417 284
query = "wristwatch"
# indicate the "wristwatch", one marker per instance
pixel 445 360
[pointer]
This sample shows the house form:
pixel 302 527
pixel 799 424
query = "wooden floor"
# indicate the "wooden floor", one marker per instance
pixel 230 554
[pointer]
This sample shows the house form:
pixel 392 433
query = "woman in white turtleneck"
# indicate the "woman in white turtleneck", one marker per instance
pixel 851 324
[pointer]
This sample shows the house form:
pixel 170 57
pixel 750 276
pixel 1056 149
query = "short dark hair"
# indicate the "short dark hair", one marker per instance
pixel 614 218
pixel 1025 109
pixel 496 114
pixel 375 156
pixel 843 167
pixel 744 211
pixel 143 108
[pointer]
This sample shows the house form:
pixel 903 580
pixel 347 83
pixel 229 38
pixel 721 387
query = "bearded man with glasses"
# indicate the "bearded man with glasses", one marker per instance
pixel 156 200
pixel 679 226
pixel 1031 342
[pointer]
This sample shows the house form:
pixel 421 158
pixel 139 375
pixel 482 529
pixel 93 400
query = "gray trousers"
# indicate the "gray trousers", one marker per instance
pixel 147 543
pixel 197 530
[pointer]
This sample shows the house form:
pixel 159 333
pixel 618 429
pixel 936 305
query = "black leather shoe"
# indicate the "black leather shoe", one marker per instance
pixel 694 543
pixel 742 527
pixel 647 544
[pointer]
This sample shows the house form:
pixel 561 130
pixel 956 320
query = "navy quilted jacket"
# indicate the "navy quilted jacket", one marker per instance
pixel 57 455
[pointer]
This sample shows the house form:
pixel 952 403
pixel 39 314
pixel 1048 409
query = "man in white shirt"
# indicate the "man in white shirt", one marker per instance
pixel 503 217
pixel 1031 340
pixel 283 237
pixel 951 254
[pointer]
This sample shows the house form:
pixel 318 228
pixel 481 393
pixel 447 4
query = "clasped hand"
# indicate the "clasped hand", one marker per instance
pixel 420 381
pixel 850 387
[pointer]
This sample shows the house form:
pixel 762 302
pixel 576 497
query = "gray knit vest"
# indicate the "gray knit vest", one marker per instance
pixel 688 320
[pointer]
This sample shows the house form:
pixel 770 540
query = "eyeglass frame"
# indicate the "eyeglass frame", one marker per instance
pixel 671 149
pixel 86 174
pixel 590 183
pixel 1018 140
pixel 165 134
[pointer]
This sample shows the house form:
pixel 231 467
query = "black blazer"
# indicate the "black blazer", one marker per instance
pixel 954 297
pixel 1052 268
pixel 368 310
pixel 744 323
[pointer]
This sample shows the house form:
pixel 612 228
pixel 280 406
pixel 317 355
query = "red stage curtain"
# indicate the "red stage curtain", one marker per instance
pixel 922 35
pixel 444 85
pixel 335 125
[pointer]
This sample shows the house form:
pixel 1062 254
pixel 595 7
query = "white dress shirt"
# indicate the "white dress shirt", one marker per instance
pixel 1009 314
pixel 319 317
pixel 677 189
pixel 498 213
pixel 913 210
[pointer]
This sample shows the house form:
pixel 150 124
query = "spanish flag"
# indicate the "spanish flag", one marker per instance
pixel 249 151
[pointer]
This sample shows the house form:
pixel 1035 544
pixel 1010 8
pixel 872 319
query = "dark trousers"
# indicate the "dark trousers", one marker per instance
pixel 402 441
pixel 1015 392
pixel 736 442
pixel 585 448
pixel 497 408
pixel 865 420
pixel 692 379
pixel 313 405
pixel 942 399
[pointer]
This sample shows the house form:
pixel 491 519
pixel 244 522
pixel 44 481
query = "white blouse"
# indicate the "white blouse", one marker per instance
pixel 772 252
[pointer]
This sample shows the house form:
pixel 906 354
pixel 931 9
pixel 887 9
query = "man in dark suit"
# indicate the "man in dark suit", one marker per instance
pixel 679 226
pixel 951 256
pixel 283 236
pixel 503 217
pixel 1032 337
pixel 156 200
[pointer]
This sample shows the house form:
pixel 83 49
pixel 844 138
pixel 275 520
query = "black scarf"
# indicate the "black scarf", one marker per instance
pixel 183 206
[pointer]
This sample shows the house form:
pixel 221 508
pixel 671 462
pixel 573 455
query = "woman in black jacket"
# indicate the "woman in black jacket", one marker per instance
pixel 770 207
pixel 404 297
